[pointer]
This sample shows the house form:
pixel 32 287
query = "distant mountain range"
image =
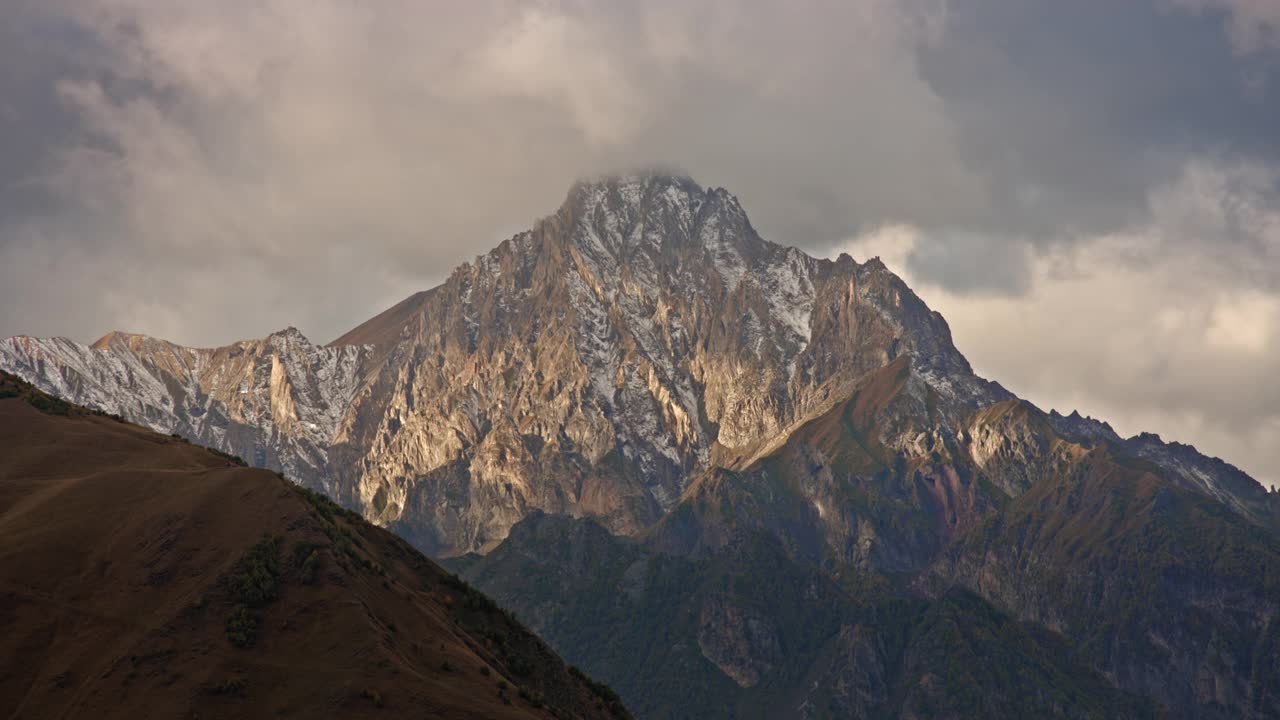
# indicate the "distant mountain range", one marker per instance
pixel 735 480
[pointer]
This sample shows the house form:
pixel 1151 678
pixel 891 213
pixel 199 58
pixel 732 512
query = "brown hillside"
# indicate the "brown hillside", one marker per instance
pixel 141 576
pixel 385 327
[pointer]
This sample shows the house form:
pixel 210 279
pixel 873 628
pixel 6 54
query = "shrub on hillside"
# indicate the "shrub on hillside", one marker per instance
pixel 251 585
pixel 242 626
pixel 49 405
pixel 253 582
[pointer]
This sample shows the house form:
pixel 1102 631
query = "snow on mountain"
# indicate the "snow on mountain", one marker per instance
pixel 277 402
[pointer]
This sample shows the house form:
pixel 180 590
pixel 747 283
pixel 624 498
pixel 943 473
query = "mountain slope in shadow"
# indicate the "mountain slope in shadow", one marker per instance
pixel 142 576
pixel 746 632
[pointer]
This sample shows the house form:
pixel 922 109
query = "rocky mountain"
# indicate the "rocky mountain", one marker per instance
pixel 277 402
pixel 748 632
pixel 1074 560
pixel 589 366
pixel 643 361
pixel 142 576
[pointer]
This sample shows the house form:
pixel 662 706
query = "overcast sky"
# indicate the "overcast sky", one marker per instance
pixel 1088 190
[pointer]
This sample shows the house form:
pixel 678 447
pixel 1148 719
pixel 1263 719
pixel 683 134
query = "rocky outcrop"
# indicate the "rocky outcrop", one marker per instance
pixel 741 643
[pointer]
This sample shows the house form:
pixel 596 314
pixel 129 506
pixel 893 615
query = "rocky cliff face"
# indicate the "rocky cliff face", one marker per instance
pixel 595 364
pixel 276 402
pixel 1149 578
pixel 643 358
pixel 591 366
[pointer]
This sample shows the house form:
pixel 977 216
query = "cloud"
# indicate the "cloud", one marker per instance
pixel 1254 25
pixel 1088 187
pixel 1244 322
pixel 1233 209
pixel 557 58
pixel 1147 330
pixel 263 150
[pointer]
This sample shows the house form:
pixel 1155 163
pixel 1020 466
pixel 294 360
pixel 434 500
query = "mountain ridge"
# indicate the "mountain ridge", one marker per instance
pixel 642 360
pixel 678 313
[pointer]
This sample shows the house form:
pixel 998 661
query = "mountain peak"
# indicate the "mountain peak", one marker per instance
pixel 120 340
pixel 290 333
pixel 636 182
pixel 635 194
pixel 106 341
pixel 657 215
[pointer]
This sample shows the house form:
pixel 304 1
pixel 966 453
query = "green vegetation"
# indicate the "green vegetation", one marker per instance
pixel 233 459
pixel 1118 553
pixel 348 545
pixel 251 585
pixel 966 659
pixel 306 556
pixel 253 582
pixel 521 654
pixel 49 405
pixel 472 598
pixel 603 693
pixel 534 698
pixel 657 611
pixel 327 508
pixel 345 543
pixel 309 567
pixel 372 695
pixel 242 626
pixel 11 386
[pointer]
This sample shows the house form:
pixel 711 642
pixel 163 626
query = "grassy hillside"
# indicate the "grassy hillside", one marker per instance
pixel 141 576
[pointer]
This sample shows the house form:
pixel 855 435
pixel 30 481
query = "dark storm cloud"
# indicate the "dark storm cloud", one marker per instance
pixel 36 52
pixel 1073 111
pixel 971 263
